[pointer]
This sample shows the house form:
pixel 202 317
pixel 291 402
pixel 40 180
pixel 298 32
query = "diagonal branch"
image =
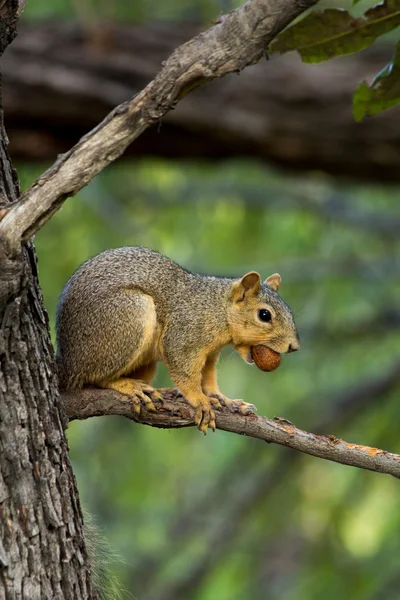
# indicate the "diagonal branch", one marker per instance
pixel 174 412
pixel 239 39
pixel 80 85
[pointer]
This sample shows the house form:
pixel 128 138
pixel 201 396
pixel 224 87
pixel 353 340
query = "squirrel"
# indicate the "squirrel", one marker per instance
pixel 127 308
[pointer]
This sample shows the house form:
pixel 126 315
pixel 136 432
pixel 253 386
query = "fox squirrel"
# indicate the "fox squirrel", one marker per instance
pixel 127 308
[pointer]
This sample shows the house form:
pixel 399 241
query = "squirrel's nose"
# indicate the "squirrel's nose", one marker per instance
pixel 293 347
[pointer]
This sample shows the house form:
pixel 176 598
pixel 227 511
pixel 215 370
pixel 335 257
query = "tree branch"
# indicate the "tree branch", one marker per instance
pixel 240 39
pixel 58 85
pixel 174 412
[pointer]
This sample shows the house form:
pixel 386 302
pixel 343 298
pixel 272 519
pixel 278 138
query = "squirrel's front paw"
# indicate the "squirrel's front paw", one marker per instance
pixel 204 416
pixel 236 406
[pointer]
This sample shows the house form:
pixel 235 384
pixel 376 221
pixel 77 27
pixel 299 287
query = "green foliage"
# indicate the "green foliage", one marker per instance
pixel 124 11
pixel 383 93
pixel 326 34
pixel 323 35
pixel 224 516
pixel 320 36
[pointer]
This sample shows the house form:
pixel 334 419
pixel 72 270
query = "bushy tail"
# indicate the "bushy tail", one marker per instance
pixel 102 556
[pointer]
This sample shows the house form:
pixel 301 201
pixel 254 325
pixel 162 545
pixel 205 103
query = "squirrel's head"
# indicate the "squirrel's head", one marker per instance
pixel 257 315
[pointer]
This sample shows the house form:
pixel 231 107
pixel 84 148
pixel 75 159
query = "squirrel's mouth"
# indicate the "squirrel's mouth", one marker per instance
pixel 244 352
pixel 249 358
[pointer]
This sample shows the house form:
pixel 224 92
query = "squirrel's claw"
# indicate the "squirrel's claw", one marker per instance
pixel 138 392
pixel 236 406
pixel 245 408
pixel 215 402
pixel 154 393
pixel 157 395
pixel 142 400
pixel 145 393
pixel 205 417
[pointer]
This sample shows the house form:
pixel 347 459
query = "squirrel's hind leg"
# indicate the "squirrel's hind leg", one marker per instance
pixel 138 391
pixel 136 385
pixel 129 335
pixel 145 373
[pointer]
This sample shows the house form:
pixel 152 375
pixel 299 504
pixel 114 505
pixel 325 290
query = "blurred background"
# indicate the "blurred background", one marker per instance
pixel 266 171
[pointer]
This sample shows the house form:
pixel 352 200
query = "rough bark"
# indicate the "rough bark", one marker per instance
pixel 59 84
pixel 42 552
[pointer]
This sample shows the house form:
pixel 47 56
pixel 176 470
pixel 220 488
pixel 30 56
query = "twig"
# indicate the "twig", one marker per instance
pixel 240 39
pixel 174 412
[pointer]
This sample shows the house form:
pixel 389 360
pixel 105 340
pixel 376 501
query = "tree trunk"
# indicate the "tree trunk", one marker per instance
pixel 42 551
pixel 61 82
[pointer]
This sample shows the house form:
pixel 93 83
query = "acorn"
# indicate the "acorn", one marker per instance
pixel 265 358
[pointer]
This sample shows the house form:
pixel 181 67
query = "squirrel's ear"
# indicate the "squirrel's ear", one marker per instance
pixel 248 285
pixel 274 281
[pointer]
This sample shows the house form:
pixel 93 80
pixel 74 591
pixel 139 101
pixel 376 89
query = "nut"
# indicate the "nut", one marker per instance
pixel 265 358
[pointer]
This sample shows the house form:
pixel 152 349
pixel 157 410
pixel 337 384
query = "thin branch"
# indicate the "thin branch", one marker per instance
pixel 174 412
pixel 240 39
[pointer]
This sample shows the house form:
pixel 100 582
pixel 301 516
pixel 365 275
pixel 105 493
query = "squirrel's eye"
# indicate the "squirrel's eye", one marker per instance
pixel 264 315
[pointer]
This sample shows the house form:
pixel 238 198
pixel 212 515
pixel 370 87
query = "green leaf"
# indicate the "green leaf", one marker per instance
pixel 383 93
pixel 332 32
